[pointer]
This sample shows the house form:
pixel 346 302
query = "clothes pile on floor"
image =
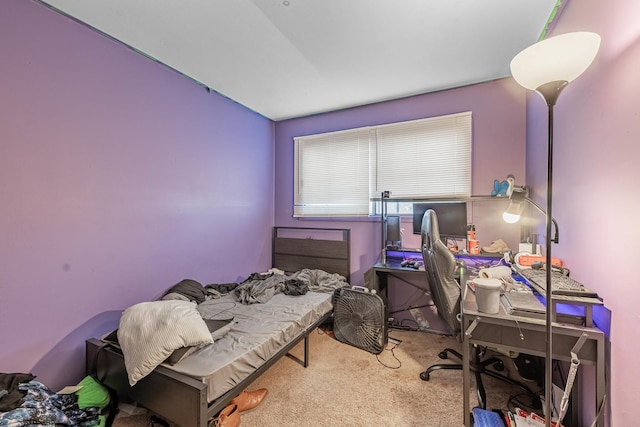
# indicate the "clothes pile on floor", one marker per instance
pixel 26 402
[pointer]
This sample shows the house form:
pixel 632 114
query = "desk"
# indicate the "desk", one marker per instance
pixel 503 330
pixel 392 267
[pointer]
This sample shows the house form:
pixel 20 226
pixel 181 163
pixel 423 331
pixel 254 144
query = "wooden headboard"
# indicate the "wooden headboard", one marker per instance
pixel 328 249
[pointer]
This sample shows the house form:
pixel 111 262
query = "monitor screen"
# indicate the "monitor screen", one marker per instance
pixel 452 217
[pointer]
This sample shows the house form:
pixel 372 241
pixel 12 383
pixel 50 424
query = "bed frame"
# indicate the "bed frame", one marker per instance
pixel 183 400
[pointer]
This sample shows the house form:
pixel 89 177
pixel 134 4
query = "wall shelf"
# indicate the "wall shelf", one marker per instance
pixel 441 199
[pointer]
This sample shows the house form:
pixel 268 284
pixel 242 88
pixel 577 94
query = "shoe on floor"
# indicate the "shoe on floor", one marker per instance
pixel 496 247
pixel 249 399
pixel 228 417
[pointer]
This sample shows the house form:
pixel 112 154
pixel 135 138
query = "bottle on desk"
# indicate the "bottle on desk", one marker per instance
pixel 473 246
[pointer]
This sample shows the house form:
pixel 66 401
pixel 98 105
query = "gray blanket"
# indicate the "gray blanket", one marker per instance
pixel 320 280
pixel 260 288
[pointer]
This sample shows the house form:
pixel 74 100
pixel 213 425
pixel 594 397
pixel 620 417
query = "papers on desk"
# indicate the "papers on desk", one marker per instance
pixel 523 304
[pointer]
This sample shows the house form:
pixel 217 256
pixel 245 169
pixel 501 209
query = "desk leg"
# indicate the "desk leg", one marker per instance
pixel 380 282
pixel 600 379
pixel 466 379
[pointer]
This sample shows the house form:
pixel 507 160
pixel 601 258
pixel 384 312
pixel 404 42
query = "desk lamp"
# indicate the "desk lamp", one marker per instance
pixel 519 197
pixel 547 67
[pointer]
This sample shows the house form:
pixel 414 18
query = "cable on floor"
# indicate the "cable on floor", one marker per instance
pixel 390 347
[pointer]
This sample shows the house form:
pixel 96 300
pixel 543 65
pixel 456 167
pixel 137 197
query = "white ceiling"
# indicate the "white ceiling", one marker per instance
pixel 292 58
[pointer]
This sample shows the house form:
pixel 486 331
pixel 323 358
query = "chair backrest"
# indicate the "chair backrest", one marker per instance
pixel 440 265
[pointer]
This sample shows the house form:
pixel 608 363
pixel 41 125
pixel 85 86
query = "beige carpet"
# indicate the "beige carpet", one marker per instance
pixel 346 386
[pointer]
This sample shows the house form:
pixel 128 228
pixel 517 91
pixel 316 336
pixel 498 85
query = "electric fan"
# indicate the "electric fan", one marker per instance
pixel 360 318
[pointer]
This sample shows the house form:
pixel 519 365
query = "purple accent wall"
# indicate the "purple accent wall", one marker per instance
pixel 119 178
pixel 595 185
pixel 498 151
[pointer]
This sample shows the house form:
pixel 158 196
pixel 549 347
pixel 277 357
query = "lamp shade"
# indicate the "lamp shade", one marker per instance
pixel 560 58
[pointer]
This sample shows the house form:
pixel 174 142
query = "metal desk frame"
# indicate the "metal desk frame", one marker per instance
pixel 503 330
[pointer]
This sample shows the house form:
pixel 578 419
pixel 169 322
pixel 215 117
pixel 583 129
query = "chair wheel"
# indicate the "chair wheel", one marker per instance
pixel 443 355
pixel 499 366
pixel 424 376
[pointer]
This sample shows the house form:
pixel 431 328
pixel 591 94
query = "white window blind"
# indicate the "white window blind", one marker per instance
pixel 336 174
pixel 332 174
pixel 424 158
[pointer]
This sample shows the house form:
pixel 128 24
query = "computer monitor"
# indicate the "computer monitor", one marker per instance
pixel 452 218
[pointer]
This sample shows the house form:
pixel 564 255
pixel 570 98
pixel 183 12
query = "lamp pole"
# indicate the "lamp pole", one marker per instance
pixel 384 196
pixel 550 92
pixel 547 67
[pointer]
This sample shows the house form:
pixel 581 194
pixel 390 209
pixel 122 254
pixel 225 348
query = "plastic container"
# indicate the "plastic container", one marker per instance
pixel 488 294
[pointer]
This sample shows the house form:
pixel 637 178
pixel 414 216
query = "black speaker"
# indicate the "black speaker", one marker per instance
pixel 393 230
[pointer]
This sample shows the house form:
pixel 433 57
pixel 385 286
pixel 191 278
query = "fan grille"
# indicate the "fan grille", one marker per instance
pixel 359 320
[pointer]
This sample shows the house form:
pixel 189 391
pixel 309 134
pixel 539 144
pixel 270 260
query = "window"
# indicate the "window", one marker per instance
pixel 339 173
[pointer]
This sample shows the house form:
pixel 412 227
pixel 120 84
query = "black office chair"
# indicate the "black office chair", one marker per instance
pixel 441 266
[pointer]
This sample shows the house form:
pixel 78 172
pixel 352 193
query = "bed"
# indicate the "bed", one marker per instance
pixel 194 390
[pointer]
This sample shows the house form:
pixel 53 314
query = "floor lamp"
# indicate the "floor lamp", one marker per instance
pixel 547 67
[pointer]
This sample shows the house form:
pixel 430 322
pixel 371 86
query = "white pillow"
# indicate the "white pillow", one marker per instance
pixel 150 331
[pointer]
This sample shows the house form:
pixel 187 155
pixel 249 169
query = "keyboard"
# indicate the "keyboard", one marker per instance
pixel 560 284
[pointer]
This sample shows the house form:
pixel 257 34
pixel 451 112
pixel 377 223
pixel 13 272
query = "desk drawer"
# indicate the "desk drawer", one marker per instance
pixel 507 336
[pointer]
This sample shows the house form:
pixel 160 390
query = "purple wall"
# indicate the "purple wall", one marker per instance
pixel 498 150
pixel 595 188
pixel 118 178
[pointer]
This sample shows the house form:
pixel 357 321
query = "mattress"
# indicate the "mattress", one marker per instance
pixel 258 332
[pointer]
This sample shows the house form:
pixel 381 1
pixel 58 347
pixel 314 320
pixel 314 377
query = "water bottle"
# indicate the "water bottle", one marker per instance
pixel 423 325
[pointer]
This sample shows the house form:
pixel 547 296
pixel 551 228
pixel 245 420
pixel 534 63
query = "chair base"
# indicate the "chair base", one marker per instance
pixel 479 367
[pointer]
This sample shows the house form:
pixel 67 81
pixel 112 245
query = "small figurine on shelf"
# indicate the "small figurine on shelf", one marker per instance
pixel 503 188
